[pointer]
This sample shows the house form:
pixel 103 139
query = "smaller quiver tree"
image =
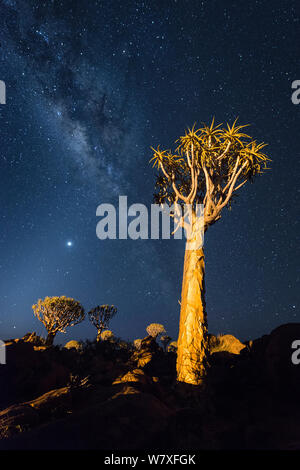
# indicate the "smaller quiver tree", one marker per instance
pixel 100 317
pixel 207 169
pixel 155 329
pixel 57 313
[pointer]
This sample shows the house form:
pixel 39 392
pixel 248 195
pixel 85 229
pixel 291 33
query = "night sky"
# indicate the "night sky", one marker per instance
pixel 91 86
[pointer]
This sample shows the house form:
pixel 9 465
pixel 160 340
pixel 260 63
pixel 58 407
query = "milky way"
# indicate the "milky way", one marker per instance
pixel 90 98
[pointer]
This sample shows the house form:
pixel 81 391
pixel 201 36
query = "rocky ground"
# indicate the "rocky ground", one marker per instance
pixel 111 396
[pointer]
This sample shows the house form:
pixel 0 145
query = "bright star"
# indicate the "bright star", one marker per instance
pixel 69 243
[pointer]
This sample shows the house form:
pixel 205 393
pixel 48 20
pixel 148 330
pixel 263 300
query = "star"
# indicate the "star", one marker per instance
pixel 69 243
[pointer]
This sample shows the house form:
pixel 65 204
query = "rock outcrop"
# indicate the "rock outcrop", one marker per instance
pixel 228 343
pixel 73 345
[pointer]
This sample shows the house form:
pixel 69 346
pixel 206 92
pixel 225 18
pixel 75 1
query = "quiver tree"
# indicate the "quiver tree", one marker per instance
pixel 100 317
pixel 155 329
pixel 57 313
pixel 208 167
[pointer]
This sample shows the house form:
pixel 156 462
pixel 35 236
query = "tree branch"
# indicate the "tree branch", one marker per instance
pixel 225 151
pixel 229 194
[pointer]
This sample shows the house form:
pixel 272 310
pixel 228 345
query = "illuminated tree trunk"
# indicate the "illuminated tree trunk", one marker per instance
pixel 192 339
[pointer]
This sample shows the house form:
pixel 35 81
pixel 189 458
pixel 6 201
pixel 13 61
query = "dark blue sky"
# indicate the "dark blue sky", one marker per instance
pixel 91 86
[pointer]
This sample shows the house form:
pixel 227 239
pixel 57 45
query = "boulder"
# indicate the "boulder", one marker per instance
pixel 138 380
pixel 29 373
pixel 148 348
pixel 52 403
pixel 135 375
pixel 257 347
pixel 228 343
pixel 19 418
pixel 73 345
pixel 284 375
